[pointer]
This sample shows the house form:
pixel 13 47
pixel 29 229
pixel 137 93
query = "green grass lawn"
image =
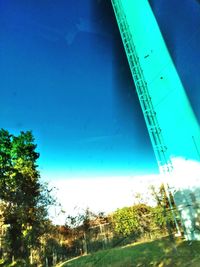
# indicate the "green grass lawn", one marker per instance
pixel 155 253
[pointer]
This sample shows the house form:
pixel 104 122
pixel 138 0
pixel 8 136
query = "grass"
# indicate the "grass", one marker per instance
pixel 155 253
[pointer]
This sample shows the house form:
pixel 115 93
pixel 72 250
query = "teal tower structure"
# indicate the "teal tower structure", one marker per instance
pixel 170 120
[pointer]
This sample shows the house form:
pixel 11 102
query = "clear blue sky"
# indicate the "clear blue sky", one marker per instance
pixel 64 76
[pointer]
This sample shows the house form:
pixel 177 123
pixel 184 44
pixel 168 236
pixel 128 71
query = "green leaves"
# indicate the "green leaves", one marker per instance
pixel 18 173
pixel 24 199
pixel 131 220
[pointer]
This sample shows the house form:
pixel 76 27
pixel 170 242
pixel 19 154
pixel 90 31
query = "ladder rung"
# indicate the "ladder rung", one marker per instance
pixel 150 111
pixel 160 148
pixel 155 128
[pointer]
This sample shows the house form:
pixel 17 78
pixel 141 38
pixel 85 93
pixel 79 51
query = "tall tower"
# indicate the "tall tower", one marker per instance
pixel 171 123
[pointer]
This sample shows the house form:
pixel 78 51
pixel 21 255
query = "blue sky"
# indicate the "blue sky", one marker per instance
pixel 64 75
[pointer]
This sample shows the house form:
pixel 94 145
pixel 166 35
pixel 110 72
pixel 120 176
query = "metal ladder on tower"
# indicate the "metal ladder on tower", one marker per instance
pixel 155 133
pixel 154 130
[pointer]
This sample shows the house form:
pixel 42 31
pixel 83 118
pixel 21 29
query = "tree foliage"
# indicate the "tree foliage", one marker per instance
pixel 131 220
pixel 24 200
pixel 165 212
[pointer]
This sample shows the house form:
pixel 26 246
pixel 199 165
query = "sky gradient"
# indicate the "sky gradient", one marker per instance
pixel 64 75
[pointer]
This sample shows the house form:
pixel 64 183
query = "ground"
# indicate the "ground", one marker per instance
pixel 158 253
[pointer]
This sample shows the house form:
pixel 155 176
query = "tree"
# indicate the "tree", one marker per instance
pixel 82 230
pixel 24 198
pixel 80 225
pixel 163 214
pixel 132 221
